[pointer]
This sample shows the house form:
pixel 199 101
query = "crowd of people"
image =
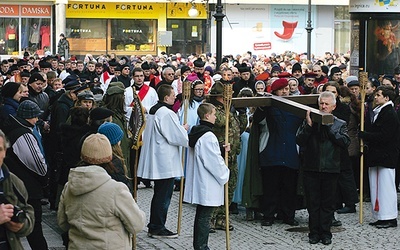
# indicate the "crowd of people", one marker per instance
pixel 68 127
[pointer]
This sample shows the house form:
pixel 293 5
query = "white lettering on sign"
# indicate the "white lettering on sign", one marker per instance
pixel 35 10
pixel 6 10
pixel 133 7
pixel 87 6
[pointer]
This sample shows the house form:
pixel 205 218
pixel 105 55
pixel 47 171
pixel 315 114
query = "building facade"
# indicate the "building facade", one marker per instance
pixel 150 27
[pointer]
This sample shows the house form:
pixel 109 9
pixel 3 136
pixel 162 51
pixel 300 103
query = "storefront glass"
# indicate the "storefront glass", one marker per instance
pixel 133 35
pixel 9 35
pixel 342 29
pixel 187 36
pixel 86 35
pixel 35 35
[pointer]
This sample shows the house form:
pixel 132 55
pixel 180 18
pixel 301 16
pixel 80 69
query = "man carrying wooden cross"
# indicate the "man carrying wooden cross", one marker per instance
pixel 321 145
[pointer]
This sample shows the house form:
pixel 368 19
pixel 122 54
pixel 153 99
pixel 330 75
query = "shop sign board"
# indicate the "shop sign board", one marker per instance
pixel 114 10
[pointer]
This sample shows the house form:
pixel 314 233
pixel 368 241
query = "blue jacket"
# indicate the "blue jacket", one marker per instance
pixel 281 149
pixel 9 108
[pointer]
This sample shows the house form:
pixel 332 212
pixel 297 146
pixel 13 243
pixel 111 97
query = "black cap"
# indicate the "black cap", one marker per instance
pixel 100 113
pixel 199 63
pixel 44 65
pixel 72 85
pixel 35 77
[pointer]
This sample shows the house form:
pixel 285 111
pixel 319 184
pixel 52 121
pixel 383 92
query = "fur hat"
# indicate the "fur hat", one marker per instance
pixel 279 84
pixel 243 68
pixel 145 65
pixel 199 63
pixel 112 131
pixel 96 149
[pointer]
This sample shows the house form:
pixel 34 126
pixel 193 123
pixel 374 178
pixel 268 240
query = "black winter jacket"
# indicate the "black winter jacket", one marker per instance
pixel 321 145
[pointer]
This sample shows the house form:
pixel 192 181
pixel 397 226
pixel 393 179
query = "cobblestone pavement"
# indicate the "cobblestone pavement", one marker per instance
pixel 249 235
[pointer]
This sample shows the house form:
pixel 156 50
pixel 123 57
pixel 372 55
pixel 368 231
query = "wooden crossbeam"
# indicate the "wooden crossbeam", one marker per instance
pixel 293 104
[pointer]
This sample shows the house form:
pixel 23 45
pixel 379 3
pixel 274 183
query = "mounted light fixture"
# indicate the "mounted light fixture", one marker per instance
pixel 193 12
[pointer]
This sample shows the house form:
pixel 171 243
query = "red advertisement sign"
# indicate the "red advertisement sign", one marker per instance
pixel 262 46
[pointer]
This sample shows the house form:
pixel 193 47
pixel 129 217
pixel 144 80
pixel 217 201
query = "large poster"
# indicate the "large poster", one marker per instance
pixel 383 51
pixel 266 28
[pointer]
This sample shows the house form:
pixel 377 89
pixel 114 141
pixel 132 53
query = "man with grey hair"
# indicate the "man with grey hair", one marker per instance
pixel 320 146
pixel 168 76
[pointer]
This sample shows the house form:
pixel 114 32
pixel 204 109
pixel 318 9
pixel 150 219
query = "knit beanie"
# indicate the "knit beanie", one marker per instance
pixel 112 131
pixel 96 149
pixel 10 89
pixel 28 109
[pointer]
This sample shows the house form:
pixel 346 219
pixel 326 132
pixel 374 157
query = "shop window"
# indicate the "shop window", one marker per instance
pixel 86 35
pixel 9 36
pixel 187 36
pixel 342 29
pixel 35 35
pixel 133 35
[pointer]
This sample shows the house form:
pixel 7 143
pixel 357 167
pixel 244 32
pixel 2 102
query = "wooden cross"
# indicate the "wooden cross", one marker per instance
pixel 295 104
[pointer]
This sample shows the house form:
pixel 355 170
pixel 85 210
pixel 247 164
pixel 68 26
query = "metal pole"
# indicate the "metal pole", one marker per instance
pixel 219 17
pixel 309 29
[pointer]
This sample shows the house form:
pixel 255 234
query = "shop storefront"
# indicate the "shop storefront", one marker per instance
pixel 132 28
pixel 189 34
pixel 25 27
pixel 375 36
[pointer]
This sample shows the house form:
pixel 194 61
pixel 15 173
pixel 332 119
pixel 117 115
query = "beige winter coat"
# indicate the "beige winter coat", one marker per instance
pixel 99 212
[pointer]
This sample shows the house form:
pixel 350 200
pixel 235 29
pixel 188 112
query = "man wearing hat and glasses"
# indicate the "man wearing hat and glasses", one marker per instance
pixel 124 77
pixel 199 69
pixel 25 160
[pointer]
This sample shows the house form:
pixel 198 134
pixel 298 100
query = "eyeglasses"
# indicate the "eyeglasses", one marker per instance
pixel 199 90
pixel 126 68
pixel 170 74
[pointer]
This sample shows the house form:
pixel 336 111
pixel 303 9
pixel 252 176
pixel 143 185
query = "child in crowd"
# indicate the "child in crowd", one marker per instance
pixel 206 174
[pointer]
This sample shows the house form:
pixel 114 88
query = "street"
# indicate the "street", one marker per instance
pixel 248 235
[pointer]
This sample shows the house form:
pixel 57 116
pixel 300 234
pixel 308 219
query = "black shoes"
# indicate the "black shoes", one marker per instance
pixel 233 208
pixel 336 223
pixel 291 222
pixel 376 223
pixel 387 224
pixel 313 240
pixel 346 210
pixel 326 241
pixel 267 222
pixel 163 233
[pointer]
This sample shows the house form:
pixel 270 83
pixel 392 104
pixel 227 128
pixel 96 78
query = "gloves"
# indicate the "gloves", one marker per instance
pixel 362 134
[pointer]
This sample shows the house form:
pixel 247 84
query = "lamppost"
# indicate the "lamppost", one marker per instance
pixel 219 17
pixel 309 29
